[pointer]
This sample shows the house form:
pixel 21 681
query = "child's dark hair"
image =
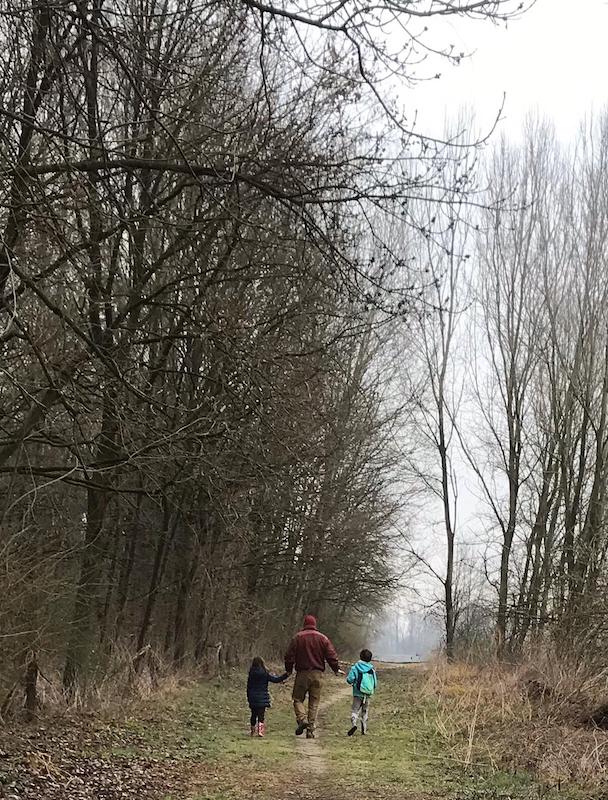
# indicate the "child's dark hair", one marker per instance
pixel 365 655
pixel 258 663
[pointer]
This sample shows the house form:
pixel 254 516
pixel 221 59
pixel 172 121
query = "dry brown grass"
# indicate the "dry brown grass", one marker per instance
pixel 531 716
pixel 121 689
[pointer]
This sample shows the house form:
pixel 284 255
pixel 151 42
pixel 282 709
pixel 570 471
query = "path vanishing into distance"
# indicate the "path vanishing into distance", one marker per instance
pixel 192 743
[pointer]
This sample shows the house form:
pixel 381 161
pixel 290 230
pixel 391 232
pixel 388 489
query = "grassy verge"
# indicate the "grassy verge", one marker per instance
pixel 205 728
pixel 524 720
pixel 405 754
pixel 211 721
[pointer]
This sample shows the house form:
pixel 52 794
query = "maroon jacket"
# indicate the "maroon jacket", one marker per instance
pixel 310 649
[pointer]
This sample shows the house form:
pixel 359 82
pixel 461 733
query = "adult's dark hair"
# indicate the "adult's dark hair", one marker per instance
pixel 258 663
pixel 365 655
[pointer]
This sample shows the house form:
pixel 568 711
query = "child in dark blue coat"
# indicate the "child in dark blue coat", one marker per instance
pixel 258 695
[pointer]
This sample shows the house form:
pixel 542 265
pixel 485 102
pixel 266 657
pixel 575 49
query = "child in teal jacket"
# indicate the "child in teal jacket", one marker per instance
pixel 362 677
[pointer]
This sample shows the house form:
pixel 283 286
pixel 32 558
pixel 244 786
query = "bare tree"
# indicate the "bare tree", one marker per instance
pixel 443 260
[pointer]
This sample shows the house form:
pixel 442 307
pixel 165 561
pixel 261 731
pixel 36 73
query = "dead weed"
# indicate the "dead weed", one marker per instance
pixel 531 716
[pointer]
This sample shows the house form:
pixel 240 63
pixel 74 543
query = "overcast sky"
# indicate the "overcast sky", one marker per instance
pixel 554 59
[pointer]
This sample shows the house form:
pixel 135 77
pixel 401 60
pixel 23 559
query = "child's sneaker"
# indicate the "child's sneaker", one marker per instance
pixel 261 729
pixel 363 729
pixel 352 731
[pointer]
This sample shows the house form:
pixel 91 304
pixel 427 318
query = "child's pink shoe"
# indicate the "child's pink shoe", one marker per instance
pixel 261 729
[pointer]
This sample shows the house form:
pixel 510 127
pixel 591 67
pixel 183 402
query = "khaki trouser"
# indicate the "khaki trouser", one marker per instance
pixel 308 682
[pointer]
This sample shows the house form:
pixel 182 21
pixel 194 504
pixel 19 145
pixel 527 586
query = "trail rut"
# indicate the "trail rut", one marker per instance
pixel 310 751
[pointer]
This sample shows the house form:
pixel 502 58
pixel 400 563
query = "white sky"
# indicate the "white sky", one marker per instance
pixel 554 59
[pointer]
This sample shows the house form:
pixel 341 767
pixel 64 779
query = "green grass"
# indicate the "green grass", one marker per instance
pixel 402 758
pixel 210 722
pixel 403 753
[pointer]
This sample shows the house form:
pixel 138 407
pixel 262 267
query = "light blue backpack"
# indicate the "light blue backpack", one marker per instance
pixel 366 682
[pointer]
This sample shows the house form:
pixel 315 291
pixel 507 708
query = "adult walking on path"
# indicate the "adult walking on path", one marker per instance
pixel 308 652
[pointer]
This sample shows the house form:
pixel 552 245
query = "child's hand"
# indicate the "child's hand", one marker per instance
pixel 340 672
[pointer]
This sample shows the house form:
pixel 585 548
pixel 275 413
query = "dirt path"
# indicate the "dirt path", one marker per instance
pixel 310 751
